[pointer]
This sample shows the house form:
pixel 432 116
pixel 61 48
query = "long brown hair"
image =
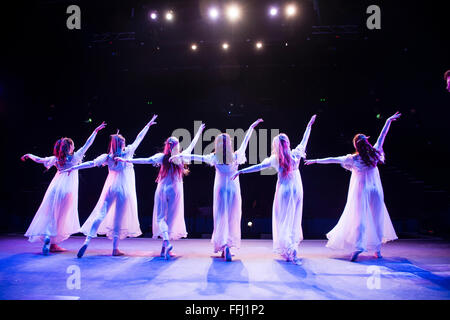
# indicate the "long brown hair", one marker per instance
pixel 223 149
pixel 61 150
pixel 369 155
pixel 116 145
pixel 281 148
pixel 167 166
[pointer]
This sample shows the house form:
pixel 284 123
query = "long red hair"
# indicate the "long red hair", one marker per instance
pixel 281 148
pixel 169 167
pixel 369 155
pixel 62 151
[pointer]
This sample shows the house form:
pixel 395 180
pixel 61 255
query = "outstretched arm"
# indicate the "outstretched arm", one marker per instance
pixel 194 141
pixel 84 165
pixel 155 159
pixel 307 133
pixel 247 137
pixel 379 144
pixel 91 139
pixel 329 160
pixel 257 167
pixel 34 158
pixel 142 134
pixel 187 157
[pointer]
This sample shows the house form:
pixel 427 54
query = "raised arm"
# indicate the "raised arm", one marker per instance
pixel 91 139
pixel 34 158
pixel 307 133
pixel 194 141
pixel 255 168
pixel 247 137
pixel 142 134
pixel 379 144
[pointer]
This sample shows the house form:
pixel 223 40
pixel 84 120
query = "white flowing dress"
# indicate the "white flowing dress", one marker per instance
pixel 117 205
pixel 365 223
pixel 168 208
pixel 227 203
pixel 57 216
pixel 287 205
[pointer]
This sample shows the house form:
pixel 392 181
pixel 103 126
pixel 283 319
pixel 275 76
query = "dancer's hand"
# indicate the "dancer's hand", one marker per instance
pixel 100 127
pixel 68 171
pixel 395 117
pixel 152 121
pixel 309 162
pixel 311 122
pixel 234 176
pixel 202 127
pixel 120 159
pixel 25 157
pixel 254 124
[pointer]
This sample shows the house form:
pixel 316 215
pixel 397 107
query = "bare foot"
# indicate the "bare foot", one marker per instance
pixel 56 248
pixel 117 252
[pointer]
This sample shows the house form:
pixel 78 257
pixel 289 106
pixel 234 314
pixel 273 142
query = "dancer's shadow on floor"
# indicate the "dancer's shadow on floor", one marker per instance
pixel 400 264
pixel 222 274
pixel 306 280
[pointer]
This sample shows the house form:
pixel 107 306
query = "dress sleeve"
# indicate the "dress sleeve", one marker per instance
pixel 240 157
pixel 101 160
pixel 272 161
pixel 49 162
pixel 347 162
pixel 299 151
pixel 157 159
pixel 210 159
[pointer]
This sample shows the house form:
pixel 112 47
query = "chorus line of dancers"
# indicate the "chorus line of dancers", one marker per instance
pixel 363 226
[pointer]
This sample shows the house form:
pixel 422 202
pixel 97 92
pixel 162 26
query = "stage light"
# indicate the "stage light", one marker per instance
pixel 250 224
pixel 233 12
pixel 153 16
pixel 273 11
pixel 225 46
pixel 169 16
pixel 291 10
pixel 213 13
pixel 259 45
pixel 194 47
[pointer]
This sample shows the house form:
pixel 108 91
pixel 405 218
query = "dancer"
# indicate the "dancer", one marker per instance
pixel 116 211
pixel 288 202
pixel 168 209
pixel 365 223
pixel 57 216
pixel 227 201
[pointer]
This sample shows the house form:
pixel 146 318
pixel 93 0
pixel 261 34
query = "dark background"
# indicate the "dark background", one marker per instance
pixel 53 80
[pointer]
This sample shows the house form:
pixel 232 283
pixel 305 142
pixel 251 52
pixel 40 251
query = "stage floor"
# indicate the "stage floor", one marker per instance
pixel 410 269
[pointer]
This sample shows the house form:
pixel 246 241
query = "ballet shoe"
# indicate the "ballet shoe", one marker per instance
pixel 378 255
pixel 355 255
pixel 162 252
pixel 82 251
pixel 117 252
pixel 167 251
pixel 45 248
pixel 56 248
pixel 228 257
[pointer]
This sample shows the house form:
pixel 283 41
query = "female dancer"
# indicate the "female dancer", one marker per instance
pixel 288 201
pixel 365 223
pixel 227 193
pixel 168 209
pixel 116 211
pixel 57 216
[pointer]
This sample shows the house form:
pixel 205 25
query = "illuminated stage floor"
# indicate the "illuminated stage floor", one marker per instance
pixel 410 269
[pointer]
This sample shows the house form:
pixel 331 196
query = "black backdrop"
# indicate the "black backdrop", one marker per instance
pixel 54 79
